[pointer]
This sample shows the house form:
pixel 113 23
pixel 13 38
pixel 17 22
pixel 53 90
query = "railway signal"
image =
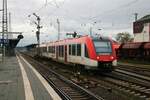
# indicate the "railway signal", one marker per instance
pixel 38 31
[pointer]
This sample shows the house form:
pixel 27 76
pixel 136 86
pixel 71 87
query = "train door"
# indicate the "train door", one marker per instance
pixel 65 53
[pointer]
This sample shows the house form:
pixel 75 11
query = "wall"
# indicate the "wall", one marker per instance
pixel 144 36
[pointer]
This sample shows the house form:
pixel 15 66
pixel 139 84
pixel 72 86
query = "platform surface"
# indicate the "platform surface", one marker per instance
pixel 18 81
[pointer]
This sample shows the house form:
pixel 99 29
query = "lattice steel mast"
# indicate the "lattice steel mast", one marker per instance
pixel 4 25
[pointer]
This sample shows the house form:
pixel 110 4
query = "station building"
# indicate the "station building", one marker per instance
pixel 141 29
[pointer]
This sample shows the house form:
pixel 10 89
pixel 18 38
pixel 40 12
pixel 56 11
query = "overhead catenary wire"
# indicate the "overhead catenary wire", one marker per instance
pixel 54 3
pixel 115 9
pixel 86 20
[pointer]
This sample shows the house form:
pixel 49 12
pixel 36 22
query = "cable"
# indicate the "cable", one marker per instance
pixel 118 8
pixel 52 3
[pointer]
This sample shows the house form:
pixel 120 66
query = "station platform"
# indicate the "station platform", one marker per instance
pixel 20 81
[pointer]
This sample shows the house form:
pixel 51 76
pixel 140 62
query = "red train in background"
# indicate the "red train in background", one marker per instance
pixel 90 53
pixel 134 50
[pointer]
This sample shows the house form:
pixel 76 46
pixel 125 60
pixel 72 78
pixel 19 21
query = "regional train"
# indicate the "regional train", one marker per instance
pixel 90 53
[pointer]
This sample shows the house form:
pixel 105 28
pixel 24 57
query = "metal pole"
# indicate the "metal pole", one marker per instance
pixel 91 31
pixel 38 33
pixel 10 25
pixel 4 26
pixel 136 15
pixel 3 32
pixel 58 22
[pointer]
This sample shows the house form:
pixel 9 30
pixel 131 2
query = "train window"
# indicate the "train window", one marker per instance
pixel 69 49
pixel 44 49
pixel 73 49
pixel 49 49
pixel 78 49
pixel 61 51
pixel 57 52
pixel 86 52
pixel 53 49
pixel 102 47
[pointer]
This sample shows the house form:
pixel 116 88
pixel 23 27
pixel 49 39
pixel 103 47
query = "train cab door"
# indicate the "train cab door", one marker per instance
pixel 65 53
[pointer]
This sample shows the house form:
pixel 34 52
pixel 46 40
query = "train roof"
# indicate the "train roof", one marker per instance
pixel 100 38
pixel 77 40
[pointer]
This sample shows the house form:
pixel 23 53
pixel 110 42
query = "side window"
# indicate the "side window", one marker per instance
pixel 86 52
pixel 78 49
pixel 70 49
pixel 62 53
pixel 73 49
pixel 57 50
pixel 49 49
pixel 53 49
pixel 44 49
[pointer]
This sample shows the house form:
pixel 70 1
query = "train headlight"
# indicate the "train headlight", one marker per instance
pixel 98 57
pixel 111 57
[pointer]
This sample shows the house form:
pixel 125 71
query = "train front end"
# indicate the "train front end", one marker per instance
pixel 105 54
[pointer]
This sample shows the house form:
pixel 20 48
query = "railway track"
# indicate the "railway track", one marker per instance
pixel 116 81
pixel 135 69
pixel 130 73
pixel 64 87
pixel 136 87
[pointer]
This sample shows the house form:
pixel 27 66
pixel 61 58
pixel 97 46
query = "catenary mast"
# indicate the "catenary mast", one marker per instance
pixel 4 26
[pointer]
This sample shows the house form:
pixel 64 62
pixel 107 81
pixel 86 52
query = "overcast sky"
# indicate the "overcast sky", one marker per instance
pixel 111 16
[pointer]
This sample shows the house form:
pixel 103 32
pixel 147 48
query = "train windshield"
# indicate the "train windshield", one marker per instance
pixel 103 47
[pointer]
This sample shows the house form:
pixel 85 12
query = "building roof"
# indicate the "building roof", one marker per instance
pixel 145 18
pixel 139 24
